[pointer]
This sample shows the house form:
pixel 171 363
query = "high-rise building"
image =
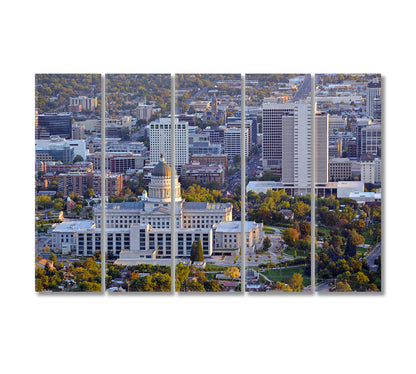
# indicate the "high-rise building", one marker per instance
pixel 373 91
pixel 251 122
pixel 272 134
pixel 48 124
pixel 232 142
pixel 360 125
pixel 160 141
pixel 371 140
pixel 296 149
pixel 368 172
pixel 143 111
pixel 321 147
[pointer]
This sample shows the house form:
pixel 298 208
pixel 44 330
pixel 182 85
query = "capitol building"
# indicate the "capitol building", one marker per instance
pixel 140 232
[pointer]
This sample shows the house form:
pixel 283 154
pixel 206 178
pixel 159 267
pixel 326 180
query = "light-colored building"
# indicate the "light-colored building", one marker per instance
pixel 65 235
pixel 264 186
pixel 227 235
pixel 368 171
pixel 143 111
pixel 366 197
pixel 232 142
pixel 321 148
pixel 336 122
pixel 371 171
pixel 88 103
pixel 140 231
pixel 160 141
pixel 55 142
pixel 340 189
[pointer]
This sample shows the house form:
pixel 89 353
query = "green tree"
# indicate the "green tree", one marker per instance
pixel 141 284
pixel 197 252
pixel 266 244
pixel 195 286
pixel 182 272
pixel 52 258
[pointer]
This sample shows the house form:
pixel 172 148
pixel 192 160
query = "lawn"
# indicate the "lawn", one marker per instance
pixel 291 252
pixel 361 251
pixel 284 274
pixel 323 231
pixel 268 230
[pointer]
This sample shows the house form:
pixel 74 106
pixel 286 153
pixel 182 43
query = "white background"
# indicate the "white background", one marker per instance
pixel 152 334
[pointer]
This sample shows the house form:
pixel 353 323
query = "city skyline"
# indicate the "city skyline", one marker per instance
pixel 278 143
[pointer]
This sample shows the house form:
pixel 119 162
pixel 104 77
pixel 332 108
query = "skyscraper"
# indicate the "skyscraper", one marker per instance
pixel 160 141
pixel 272 134
pixel 373 91
pixel 321 148
pixel 296 149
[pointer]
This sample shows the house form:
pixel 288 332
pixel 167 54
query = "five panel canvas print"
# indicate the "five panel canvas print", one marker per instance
pixel 172 152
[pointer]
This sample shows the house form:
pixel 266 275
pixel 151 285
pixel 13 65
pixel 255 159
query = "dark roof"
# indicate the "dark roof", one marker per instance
pixel 162 169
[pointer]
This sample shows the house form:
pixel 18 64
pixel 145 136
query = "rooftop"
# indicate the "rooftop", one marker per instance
pixel 205 206
pixel 74 225
pixel 234 226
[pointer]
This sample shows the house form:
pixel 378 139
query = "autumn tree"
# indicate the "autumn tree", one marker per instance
pixel 290 236
pixel 232 272
pixel 343 287
pixel 296 282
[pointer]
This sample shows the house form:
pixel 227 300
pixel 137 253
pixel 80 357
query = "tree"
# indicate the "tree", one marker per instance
pixel 305 229
pixel 141 284
pixel 361 281
pixel 212 286
pixel 52 258
pixel 89 193
pixel 343 287
pixel 195 286
pixel 237 160
pixel 78 158
pixel 266 244
pixel 296 282
pixel 300 210
pixel 290 236
pixel 182 272
pixel 197 252
pixel 232 272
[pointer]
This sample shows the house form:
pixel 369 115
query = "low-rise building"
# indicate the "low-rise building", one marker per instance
pixel 264 186
pixel 65 236
pixel 340 169
pixel 203 173
pixel 227 235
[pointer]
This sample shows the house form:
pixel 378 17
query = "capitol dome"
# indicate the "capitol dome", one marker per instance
pixel 162 169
